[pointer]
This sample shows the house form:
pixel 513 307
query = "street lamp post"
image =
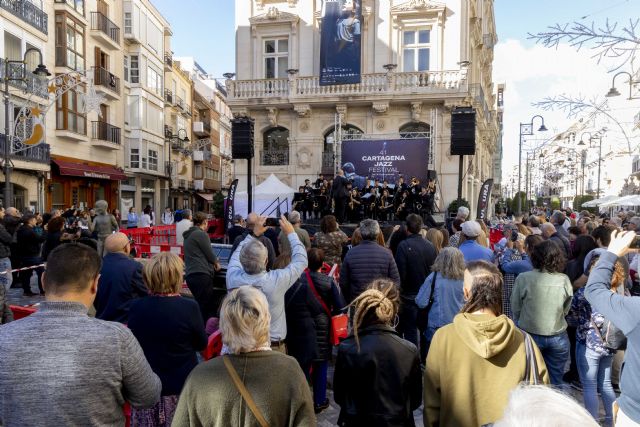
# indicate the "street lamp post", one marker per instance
pixel 40 71
pixel 597 135
pixel 525 129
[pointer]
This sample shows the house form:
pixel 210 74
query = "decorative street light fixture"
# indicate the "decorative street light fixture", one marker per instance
pixel 525 129
pixel 41 72
pixel 614 91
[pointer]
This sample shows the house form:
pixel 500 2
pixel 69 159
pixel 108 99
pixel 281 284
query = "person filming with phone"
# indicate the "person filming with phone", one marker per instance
pixel 248 267
pixel 623 312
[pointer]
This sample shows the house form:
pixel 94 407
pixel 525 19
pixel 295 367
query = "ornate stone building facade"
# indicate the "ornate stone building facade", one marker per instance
pixel 420 59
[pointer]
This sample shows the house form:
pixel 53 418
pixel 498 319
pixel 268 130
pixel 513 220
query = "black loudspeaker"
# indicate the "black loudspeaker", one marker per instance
pixel 242 138
pixel 432 175
pixel 463 132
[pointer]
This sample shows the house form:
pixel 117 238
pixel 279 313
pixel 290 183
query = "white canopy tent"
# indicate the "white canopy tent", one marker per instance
pixel 631 200
pixel 264 198
pixel 598 202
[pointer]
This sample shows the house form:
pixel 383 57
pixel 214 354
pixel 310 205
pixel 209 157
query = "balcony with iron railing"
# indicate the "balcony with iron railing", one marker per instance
pixel 168 61
pixel 103 79
pixel 105 29
pixel 105 135
pixel 168 132
pixel 168 97
pixel 274 158
pixel 179 103
pixel 28 12
pixel 415 84
pixel 38 153
pixel 25 81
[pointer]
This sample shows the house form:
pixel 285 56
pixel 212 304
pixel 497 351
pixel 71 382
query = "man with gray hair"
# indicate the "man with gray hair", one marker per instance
pixel 463 213
pixel 248 267
pixel 183 225
pixel 366 262
pixel 283 241
pixel 253 219
pixel 550 232
pixel 558 219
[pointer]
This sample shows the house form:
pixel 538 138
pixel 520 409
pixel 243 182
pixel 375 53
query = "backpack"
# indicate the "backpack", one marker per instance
pixel 612 337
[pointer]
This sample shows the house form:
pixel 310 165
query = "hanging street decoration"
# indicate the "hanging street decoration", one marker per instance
pixel 29 129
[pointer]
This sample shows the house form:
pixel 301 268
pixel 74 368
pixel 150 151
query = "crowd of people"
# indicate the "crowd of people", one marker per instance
pixel 476 332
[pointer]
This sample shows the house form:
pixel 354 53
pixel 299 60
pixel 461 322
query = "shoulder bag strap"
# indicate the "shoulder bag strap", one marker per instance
pixel 244 392
pixel 315 292
pixel 532 375
pixel 432 295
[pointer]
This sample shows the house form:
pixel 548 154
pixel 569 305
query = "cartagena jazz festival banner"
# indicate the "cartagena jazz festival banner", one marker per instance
pixel 385 159
pixel 340 42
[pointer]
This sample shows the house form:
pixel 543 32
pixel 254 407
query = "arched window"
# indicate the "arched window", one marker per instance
pixel 415 130
pixel 348 132
pixel 275 147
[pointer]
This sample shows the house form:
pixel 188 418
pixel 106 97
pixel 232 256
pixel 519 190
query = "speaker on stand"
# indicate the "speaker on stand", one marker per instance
pixel 463 138
pixel 242 142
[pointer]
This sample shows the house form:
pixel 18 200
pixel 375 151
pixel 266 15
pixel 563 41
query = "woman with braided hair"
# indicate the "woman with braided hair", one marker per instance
pixel 475 362
pixel 377 375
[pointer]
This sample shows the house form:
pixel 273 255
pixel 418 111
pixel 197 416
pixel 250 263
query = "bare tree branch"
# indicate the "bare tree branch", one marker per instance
pixel 580 105
pixel 609 41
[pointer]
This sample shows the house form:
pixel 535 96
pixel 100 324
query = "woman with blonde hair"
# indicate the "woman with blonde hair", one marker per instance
pixel 442 289
pixel 170 331
pixel 250 385
pixel 377 374
pixel 436 238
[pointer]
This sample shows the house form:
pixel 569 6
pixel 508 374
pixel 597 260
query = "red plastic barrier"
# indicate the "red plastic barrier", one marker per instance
pixel 20 312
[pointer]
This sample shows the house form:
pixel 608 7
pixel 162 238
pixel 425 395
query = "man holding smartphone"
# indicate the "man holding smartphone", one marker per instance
pixel 248 267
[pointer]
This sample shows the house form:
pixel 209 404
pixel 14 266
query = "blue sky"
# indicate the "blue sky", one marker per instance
pixel 205 29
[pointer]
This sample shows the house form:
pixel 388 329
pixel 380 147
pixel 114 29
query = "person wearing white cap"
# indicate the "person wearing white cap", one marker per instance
pixel 471 250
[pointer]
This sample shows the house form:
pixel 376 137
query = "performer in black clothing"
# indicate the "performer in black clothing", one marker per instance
pixel 414 191
pixel 319 181
pixel 401 186
pixel 340 194
pixel 307 205
pixel 402 206
pixel 385 207
pixel 320 203
pixel 430 196
pixel 354 206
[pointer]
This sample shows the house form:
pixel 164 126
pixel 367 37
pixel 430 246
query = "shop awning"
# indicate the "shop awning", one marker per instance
pixel 206 196
pixel 80 169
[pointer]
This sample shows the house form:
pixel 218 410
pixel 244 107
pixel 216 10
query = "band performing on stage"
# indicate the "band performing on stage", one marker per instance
pixel 378 200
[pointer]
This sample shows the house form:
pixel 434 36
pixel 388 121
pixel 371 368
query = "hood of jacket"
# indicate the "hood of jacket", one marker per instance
pixel 484 334
pixel 190 231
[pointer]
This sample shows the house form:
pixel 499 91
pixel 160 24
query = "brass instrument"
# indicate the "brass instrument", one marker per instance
pixel 315 204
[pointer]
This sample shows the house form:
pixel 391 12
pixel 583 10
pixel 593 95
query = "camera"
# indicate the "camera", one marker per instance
pixel 514 235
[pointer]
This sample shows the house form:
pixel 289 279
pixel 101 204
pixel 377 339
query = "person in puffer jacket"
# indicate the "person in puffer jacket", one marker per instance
pixel 327 290
pixel 366 262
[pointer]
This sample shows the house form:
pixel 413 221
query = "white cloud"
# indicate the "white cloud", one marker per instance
pixel 533 73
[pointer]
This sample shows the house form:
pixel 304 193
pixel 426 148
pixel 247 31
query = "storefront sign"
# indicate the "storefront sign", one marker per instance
pixel 340 42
